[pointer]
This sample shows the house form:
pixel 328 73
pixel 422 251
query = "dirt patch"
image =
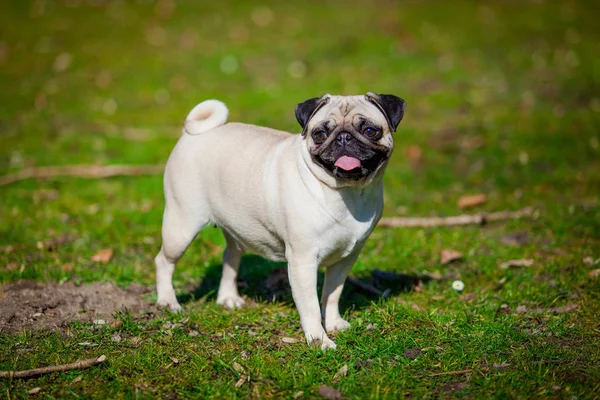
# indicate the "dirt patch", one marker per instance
pixel 34 306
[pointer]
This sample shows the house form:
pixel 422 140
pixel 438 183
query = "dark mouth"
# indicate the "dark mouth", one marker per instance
pixel 367 166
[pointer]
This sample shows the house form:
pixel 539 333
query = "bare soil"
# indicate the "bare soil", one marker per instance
pixel 34 306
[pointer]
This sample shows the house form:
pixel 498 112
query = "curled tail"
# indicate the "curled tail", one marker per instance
pixel 205 116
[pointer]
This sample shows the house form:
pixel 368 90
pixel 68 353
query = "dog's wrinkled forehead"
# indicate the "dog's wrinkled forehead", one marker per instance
pixel 346 110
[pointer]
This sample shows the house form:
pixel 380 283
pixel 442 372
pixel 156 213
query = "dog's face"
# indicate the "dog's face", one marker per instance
pixel 350 137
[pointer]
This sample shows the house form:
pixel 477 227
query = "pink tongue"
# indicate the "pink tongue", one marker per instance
pixel 347 163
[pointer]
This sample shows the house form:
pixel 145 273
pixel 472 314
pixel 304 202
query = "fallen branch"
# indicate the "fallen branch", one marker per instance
pixel 465 219
pixel 55 368
pixel 365 287
pixel 82 171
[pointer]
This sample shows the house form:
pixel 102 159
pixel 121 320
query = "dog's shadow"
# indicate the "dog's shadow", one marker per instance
pixel 266 281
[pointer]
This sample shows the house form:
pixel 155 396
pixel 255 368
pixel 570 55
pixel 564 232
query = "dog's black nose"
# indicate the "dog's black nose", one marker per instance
pixel 343 138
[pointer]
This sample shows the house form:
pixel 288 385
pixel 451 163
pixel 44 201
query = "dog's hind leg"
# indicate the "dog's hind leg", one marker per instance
pixel 180 226
pixel 228 295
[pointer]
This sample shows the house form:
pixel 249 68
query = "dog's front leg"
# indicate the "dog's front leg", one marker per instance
pixel 303 280
pixel 335 276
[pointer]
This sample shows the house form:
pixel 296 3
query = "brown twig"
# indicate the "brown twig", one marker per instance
pixel 54 368
pixel 365 286
pixel 82 171
pixel 465 219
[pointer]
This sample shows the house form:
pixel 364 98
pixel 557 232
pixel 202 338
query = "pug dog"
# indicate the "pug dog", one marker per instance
pixel 311 199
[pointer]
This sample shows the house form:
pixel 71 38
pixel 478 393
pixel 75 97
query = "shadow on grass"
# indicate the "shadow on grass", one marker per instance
pixel 266 281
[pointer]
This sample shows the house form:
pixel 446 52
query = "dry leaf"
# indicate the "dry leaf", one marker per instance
pixel 240 381
pixel 116 323
pixel 471 200
pixel 175 360
pixel 289 340
pixel 35 390
pixel 595 273
pixel 330 393
pixel 516 263
pixel 414 153
pixel 103 256
pixel 135 340
pixel 78 379
pixel 342 372
pixel 589 261
pixel 237 367
pixel 67 267
pixel 448 255
pixel 298 394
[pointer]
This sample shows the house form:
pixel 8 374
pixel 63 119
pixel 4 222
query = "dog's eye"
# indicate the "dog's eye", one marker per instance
pixel 319 136
pixel 370 132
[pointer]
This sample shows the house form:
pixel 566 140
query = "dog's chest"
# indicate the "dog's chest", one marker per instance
pixel 347 233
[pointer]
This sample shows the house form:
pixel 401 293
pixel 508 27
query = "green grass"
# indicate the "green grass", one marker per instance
pixel 503 99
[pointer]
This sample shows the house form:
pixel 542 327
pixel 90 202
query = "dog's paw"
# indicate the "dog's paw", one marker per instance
pixel 337 325
pixel 320 340
pixel 231 302
pixel 172 305
pixel 328 344
pixel 325 343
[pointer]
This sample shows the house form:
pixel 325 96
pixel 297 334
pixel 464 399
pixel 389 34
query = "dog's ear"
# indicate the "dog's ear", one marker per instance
pixel 391 106
pixel 306 110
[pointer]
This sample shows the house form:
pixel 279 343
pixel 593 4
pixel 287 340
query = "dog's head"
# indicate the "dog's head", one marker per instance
pixel 350 137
